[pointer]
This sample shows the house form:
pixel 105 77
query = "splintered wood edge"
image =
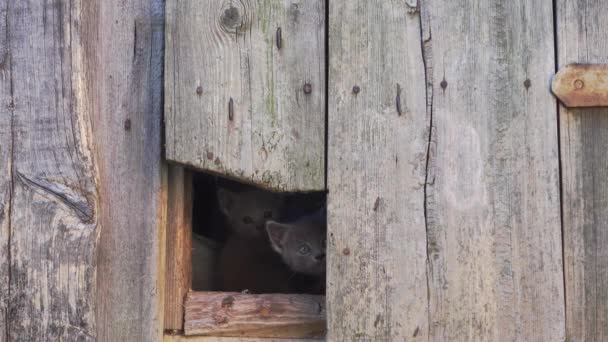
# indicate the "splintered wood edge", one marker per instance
pixel 582 85
pixel 255 315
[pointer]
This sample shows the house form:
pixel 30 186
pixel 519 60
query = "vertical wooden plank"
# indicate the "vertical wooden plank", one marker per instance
pixel 178 274
pixel 245 89
pixel 54 203
pixel 127 47
pixel 377 154
pixel 493 207
pixel 581 38
pixel 6 114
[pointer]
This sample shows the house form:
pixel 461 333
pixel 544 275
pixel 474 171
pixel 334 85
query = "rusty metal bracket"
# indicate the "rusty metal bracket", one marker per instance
pixel 582 85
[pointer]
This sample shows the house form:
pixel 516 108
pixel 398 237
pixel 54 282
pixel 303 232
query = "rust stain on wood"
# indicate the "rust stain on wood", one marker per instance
pixel 582 85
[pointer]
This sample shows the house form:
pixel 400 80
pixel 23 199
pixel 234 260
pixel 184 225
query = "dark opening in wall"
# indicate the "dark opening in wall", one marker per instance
pixel 247 239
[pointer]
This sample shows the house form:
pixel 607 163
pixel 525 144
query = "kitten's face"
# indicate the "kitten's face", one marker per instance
pixel 248 211
pixel 301 244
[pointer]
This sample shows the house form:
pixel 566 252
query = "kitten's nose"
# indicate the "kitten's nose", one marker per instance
pixel 320 257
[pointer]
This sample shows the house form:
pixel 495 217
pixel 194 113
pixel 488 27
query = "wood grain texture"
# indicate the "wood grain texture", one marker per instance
pixel 126 53
pixel 178 272
pixel 181 338
pixel 493 201
pixel 377 152
pixel 54 201
pixel 6 114
pixel 265 315
pixel 581 38
pixel 240 103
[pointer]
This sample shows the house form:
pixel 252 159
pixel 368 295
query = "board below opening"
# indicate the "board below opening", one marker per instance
pixel 235 314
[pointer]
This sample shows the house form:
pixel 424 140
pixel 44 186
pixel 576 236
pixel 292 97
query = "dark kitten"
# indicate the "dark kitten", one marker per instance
pixel 301 244
pixel 247 211
pixel 249 263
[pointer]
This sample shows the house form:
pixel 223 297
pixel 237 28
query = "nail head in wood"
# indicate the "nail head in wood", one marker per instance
pixel 582 85
pixel 231 109
pixel 307 88
pixel 279 39
pixel 199 90
pixel 356 89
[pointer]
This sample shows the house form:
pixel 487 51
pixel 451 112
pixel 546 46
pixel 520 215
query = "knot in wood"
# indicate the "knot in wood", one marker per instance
pixel 231 19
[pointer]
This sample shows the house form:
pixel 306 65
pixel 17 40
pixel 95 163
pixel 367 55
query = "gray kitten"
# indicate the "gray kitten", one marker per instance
pixel 246 212
pixel 301 244
pixel 268 264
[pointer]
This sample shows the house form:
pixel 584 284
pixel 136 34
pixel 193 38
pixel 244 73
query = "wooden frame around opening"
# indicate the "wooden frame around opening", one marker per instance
pixel 292 316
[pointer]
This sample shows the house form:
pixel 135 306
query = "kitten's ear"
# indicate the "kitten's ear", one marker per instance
pixel 277 233
pixel 225 199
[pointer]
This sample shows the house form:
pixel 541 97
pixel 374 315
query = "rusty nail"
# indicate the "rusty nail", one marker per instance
pixel 210 155
pixel 398 99
pixel 443 84
pixel 307 88
pixel 279 39
pixel 127 125
pixel 579 84
pixel 199 90
pixel 356 89
pixel 527 83
pixel 346 251
pixel 231 109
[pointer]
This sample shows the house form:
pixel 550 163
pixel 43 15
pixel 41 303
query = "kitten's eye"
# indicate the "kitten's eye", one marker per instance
pixel 304 250
pixel 247 220
pixel 267 214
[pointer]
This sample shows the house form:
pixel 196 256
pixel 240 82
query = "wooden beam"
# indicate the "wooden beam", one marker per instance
pixel 47 157
pixel 178 274
pixel 492 196
pixel 245 90
pixel 270 315
pixel 581 38
pixel 377 152
pixel 125 53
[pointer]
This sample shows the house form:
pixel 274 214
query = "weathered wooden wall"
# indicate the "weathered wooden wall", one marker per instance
pixel 493 214
pixel 377 153
pixel 127 46
pixel 51 205
pixel 245 89
pixel 483 215
pixel 6 114
pixel 582 28
pixel 81 200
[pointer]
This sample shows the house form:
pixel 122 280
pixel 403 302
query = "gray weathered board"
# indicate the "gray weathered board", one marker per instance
pixel 80 170
pixel 245 90
pixel 377 154
pixel 477 227
pixel 6 114
pixel 493 214
pixel 582 38
pixel 52 202
pixel 126 58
